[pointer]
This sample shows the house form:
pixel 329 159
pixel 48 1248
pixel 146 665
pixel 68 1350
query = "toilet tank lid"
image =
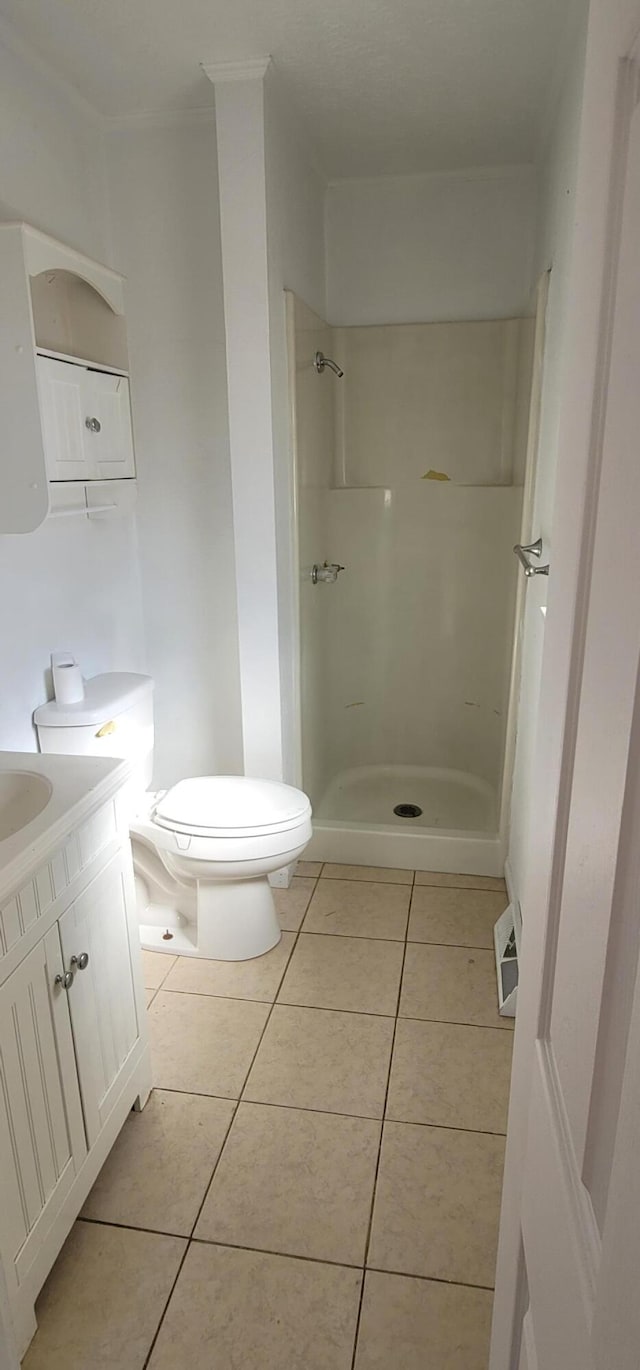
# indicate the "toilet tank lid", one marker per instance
pixel 105 696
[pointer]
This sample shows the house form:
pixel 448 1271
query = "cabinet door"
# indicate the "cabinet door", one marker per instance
pixel 62 388
pixel 102 997
pixel 42 1140
pixel 108 440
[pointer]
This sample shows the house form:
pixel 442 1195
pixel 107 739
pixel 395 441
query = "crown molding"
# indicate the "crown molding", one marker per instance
pixel 160 118
pixel 498 172
pixel 249 69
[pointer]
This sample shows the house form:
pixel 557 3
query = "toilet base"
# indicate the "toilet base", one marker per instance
pixel 235 920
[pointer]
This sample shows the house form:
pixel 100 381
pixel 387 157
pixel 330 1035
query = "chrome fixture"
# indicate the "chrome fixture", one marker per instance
pixel 320 361
pixel 533 549
pixel 94 425
pixel 79 963
pixel 328 572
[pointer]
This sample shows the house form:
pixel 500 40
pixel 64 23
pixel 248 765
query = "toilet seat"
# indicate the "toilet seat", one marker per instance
pixel 231 807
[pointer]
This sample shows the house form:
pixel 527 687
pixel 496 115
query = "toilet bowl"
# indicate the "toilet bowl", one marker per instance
pixel 202 850
pixel 217 839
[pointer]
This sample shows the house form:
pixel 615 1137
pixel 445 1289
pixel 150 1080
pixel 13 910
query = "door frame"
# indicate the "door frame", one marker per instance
pixel 610 48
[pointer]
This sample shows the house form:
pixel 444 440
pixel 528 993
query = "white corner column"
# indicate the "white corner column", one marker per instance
pixel 240 129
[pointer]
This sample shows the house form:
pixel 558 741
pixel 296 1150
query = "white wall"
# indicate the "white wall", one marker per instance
pixel 166 234
pixel 554 238
pixel 421 249
pixel 72 584
pixel 51 154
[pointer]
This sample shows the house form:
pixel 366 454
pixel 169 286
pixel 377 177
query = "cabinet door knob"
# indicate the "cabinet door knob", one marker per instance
pixel 94 425
pixel 65 980
pixel 80 962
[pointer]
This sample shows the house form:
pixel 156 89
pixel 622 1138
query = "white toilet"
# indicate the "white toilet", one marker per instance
pixel 203 850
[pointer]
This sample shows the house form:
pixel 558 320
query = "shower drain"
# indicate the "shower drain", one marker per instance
pixel 407 811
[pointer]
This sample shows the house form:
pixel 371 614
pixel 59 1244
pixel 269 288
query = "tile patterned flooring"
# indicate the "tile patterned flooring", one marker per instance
pixel 315 1181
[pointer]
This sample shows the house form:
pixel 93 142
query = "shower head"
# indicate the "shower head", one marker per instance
pixel 320 361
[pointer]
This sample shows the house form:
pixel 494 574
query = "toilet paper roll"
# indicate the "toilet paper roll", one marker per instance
pixel 68 685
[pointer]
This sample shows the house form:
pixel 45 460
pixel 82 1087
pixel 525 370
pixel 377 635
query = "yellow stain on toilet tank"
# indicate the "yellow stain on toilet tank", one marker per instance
pixel 435 475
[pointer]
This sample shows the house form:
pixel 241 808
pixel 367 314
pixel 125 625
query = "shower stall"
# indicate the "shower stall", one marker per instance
pixel 410 450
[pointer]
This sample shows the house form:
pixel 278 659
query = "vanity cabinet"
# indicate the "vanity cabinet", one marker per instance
pixel 42 1137
pixel 101 998
pixel 73 1048
pixel 86 422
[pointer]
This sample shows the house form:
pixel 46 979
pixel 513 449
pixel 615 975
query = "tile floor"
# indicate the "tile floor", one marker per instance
pixel 315 1181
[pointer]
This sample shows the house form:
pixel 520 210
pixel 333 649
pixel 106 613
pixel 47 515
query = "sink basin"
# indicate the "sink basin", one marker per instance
pixel 23 795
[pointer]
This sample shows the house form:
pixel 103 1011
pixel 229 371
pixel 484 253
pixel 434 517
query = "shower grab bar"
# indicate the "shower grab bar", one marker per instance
pixel 535 550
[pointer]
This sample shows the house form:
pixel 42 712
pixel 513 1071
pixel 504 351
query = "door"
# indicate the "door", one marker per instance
pixel 102 996
pixel 108 438
pixel 42 1141
pixel 566 1292
pixel 62 407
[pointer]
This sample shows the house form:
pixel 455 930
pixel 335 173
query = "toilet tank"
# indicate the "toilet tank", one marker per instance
pixel 115 718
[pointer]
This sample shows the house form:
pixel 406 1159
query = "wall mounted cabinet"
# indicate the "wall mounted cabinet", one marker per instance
pixel 64 389
pixel 86 422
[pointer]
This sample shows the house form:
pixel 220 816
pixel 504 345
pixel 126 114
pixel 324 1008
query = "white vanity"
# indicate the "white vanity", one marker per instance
pixel 73 1049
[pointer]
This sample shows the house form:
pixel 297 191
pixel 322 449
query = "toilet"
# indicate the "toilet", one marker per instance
pixel 202 850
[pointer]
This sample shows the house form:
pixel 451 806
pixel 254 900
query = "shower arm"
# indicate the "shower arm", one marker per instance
pixel 320 361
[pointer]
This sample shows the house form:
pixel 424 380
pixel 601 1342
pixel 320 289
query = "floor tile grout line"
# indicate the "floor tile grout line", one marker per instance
pixel 327 1112
pixel 283 1255
pixel 476 889
pixel 419 884
pixel 378 1161
pixel 271 1251
pixel 332 1008
pixel 189 1238
pixel 219 1157
pixel 341 1265
pixel 354 936
pixel 215 1167
pixel 453 1022
pixel 430 1279
pixel 133 1227
pixel 168 1301
pixel 456 946
pixel 370 880
pixel 305 932
pixel 244 1084
pixel 236 1103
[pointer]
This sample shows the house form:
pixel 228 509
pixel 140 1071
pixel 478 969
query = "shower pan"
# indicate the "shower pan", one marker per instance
pixel 410 454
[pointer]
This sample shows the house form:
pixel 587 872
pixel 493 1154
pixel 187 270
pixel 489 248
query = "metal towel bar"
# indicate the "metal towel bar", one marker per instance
pixel 535 550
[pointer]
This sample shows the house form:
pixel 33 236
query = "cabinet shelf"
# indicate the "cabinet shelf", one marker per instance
pixel 87 362
pixel 92 499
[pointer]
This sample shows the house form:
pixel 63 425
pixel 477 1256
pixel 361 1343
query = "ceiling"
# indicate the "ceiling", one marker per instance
pixel 383 86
